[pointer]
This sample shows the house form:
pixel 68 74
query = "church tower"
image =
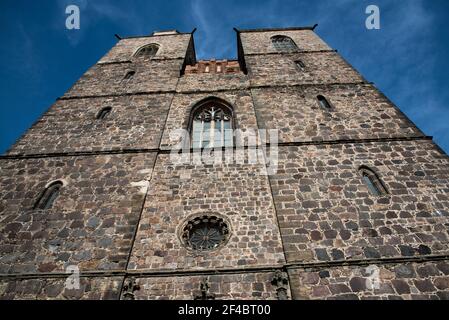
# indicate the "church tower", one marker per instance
pixel 145 181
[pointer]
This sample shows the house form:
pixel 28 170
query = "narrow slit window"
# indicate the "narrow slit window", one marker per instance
pixel 104 113
pixel 300 65
pixel 373 182
pixel 324 103
pixel 48 197
pixel 129 75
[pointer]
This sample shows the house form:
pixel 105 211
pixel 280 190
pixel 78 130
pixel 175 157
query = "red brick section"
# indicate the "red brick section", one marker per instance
pixel 214 66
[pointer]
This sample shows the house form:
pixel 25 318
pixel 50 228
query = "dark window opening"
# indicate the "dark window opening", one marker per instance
pixel 300 65
pixel 373 182
pixel 324 103
pixel 205 233
pixel 129 75
pixel 49 196
pixel 104 113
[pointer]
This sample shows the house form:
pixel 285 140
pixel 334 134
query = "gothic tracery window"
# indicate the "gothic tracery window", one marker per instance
pixel 49 196
pixel 212 126
pixel 373 182
pixel 205 233
pixel 283 44
pixel 148 50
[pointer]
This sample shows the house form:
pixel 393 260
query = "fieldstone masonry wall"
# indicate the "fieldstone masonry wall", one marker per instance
pixel 391 281
pixel 359 112
pixel 91 224
pixel 310 230
pixel 98 288
pixel 135 122
pixel 240 193
pixel 108 79
pixel 327 213
pixel 281 70
pixel 246 286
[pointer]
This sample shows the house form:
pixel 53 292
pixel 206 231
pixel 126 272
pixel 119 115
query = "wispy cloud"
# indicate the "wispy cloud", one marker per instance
pixel 92 12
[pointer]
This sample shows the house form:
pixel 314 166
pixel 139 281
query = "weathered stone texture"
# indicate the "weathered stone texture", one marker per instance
pixel 108 79
pixel 135 122
pixel 260 42
pixel 90 225
pixel 170 47
pixel 313 216
pixel 244 286
pixel 399 281
pixel 280 69
pixel 359 112
pixel 180 111
pixel 326 212
pixel 240 193
pixel 98 288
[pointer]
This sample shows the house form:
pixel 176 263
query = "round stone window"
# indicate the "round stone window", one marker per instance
pixel 205 233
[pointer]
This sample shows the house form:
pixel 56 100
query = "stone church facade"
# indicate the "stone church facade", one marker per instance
pixel 356 208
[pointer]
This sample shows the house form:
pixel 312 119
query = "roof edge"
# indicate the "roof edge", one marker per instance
pixel 277 29
pixel 161 35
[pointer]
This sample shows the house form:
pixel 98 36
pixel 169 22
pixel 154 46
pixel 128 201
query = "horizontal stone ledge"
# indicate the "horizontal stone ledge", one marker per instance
pixel 167 151
pixel 159 35
pixel 366 262
pixel 290 52
pixel 126 94
pixel 77 153
pixel 113 62
pixel 240 88
pixel 276 29
pixel 100 63
pixel 146 273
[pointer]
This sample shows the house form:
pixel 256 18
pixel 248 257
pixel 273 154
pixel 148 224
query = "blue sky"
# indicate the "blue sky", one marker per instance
pixel 408 58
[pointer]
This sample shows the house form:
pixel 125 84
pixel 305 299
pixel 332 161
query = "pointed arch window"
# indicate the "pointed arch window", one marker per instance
pixel 324 103
pixel 49 196
pixel 104 113
pixel 129 75
pixel 211 125
pixel 300 65
pixel 373 182
pixel 283 44
pixel 148 50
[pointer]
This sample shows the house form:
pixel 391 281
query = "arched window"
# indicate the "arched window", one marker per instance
pixel 49 196
pixel 283 44
pixel 129 75
pixel 104 113
pixel 373 182
pixel 148 50
pixel 324 103
pixel 211 125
